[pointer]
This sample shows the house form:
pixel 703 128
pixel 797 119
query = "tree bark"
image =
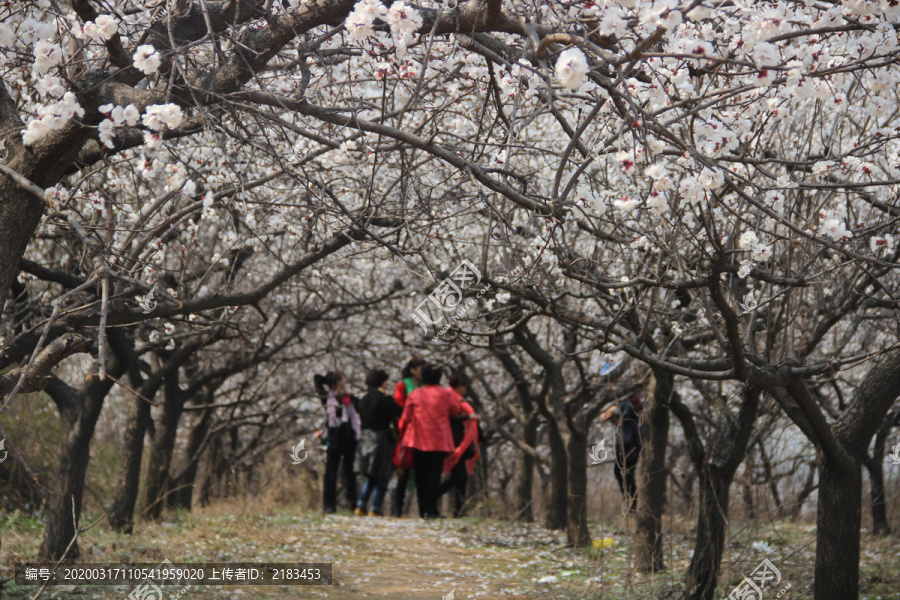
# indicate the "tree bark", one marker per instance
pixel 121 513
pixel 20 210
pixel 79 411
pixel 576 515
pixel 875 467
pixel 838 521
pixel 525 480
pixel 843 447
pixel 182 495
pixel 651 497
pixel 703 572
pixel 559 481
pixel 716 475
pixel 160 459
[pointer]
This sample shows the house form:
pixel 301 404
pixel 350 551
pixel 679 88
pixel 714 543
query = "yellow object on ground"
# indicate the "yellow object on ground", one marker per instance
pixel 604 543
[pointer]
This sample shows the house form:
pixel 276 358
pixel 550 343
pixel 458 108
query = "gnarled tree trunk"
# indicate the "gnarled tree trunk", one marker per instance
pixel 729 448
pixel 160 459
pixel 651 497
pixel 525 479
pixel 79 410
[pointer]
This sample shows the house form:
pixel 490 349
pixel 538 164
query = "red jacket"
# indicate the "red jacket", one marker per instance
pixel 471 437
pixel 400 391
pixel 426 419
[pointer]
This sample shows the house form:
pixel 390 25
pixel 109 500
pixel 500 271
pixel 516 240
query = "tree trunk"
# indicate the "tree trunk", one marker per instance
pixel 20 210
pixel 525 479
pixel 879 507
pixel 843 449
pixel 729 448
pixel 703 572
pixel 559 481
pixel 79 411
pixel 183 483
pixel 838 522
pixel 770 479
pixel 875 467
pixel 651 497
pixel 121 514
pixel 157 488
pixel 576 517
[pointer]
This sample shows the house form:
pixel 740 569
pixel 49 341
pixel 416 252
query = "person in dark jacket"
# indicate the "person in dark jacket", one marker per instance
pixel 628 443
pixel 460 464
pixel 343 433
pixel 377 413
pixel 411 380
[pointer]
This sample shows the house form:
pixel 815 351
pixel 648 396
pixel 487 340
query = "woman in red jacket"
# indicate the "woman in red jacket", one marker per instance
pixel 411 380
pixel 426 429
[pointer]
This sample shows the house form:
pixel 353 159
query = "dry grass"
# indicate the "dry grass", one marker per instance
pixel 411 559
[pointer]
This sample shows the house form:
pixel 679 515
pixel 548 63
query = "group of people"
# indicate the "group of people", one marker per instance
pixel 423 431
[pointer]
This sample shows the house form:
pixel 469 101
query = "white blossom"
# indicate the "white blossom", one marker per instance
pixel 46 56
pixel 52 117
pixel 106 132
pixel 50 85
pixel 748 240
pixel 101 29
pixel 131 115
pixel 147 59
pixel 158 116
pixel 571 68
pixel 879 244
pixel 405 22
pixel 360 22
pixel 834 228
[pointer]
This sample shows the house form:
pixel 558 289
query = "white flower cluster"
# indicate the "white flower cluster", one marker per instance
pixel 661 13
pixel 176 173
pixel 50 85
pixel 147 59
pixel 117 116
pixel 31 30
pixel 758 251
pixel 46 56
pixel 101 29
pixel 51 117
pixel 571 68
pixel 158 116
pixel 833 226
pixel 403 19
pixel 360 21
pixel 405 22
pixel 521 76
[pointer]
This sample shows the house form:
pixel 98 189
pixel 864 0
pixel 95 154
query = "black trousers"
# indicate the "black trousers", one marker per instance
pixel 429 466
pixel 625 474
pixel 341 448
pixel 459 477
pixel 399 496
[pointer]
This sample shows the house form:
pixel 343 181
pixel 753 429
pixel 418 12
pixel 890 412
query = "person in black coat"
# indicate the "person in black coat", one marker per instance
pixel 378 413
pixel 625 417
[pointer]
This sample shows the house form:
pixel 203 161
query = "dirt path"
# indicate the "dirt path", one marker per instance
pixel 372 557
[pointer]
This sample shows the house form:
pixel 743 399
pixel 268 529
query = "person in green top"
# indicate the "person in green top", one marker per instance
pixel 412 379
